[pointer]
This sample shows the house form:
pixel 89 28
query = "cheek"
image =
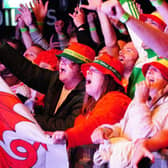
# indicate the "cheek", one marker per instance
pixel 99 81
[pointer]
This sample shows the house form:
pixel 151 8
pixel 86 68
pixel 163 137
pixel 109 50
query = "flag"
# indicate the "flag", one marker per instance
pixel 23 144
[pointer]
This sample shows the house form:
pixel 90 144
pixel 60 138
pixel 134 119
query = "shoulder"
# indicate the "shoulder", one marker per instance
pixel 114 98
pixel 116 95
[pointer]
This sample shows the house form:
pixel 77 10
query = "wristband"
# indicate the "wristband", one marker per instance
pixel 122 31
pixel 92 28
pixel 124 18
pixel 157 3
pixel 61 35
pixel 40 23
pixel 24 29
pixel 33 30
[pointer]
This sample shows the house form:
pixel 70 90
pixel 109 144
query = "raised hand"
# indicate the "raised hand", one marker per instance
pixel 93 5
pixel 113 9
pixel 25 14
pixel 78 17
pixel 20 21
pixel 39 9
pixel 142 92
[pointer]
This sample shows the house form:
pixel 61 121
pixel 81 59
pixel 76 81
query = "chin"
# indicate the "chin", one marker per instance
pixel 61 79
pixel 88 92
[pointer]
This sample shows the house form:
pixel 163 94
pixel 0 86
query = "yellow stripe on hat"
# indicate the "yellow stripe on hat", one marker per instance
pixel 77 55
pixel 164 62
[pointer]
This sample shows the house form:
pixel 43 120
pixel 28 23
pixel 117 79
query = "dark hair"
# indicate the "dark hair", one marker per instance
pixel 109 85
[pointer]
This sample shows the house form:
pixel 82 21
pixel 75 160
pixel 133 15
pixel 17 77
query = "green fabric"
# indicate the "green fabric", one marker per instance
pixel 131 7
pixel 137 75
pixel 123 1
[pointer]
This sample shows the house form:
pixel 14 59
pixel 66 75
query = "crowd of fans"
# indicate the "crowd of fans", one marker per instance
pixel 100 83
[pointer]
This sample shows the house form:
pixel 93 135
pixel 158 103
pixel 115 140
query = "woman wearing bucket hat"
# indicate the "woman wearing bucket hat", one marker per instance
pixel 145 116
pixel 103 103
pixel 64 90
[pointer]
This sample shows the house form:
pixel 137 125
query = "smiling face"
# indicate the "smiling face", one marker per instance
pixel 155 79
pixel 94 82
pixel 68 70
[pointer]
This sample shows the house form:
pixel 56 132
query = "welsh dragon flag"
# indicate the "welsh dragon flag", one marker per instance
pixel 23 143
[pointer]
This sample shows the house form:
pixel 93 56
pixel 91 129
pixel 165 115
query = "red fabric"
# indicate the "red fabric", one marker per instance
pixel 144 17
pixel 112 62
pixel 108 110
pixel 162 68
pixel 81 49
pixel 17 151
pixel 48 57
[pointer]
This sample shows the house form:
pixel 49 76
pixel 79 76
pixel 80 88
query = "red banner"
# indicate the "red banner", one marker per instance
pixel 23 144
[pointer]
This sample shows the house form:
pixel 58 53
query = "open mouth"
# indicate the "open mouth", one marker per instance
pixel 151 80
pixel 121 58
pixel 88 81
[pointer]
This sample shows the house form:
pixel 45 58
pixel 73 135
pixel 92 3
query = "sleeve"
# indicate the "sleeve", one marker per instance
pixel 142 120
pixel 65 116
pixel 84 37
pixel 160 117
pixel 37 38
pixel 112 111
pixel 32 75
pixel 130 7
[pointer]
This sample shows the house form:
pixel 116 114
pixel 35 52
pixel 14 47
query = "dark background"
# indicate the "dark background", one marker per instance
pixel 56 9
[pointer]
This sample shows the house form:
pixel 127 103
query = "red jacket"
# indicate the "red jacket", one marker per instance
pixel 108 110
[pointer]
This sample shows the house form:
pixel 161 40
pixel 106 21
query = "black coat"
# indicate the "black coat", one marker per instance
pixel 46 82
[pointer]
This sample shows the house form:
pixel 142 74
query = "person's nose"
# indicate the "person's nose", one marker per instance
pixel 88 72
pixel 62 62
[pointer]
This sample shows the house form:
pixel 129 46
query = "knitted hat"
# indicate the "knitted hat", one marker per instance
pixel 79 53
pixel 161 64
pixel 107 65
pixel 49 58
pixel 155 16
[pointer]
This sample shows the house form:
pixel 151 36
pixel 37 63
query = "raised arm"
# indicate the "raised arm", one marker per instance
pixel 162 8
pixel 152 37
pixel 36 36
pixel 91 18
pixel 83 35
pixel 40 11
pixel 107 29
pixel 26 38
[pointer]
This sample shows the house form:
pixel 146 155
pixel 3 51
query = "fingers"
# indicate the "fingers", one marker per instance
pixel 18 16
pixel 34 2
pixel 59 137
pixel 97 158
pixel 71 15
pixel 40 2
pixel 26 6
pixel 84 6
pixel 46 6
pixel 97 136
pixel 30 4
pixel 150 156
pixel 49 133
